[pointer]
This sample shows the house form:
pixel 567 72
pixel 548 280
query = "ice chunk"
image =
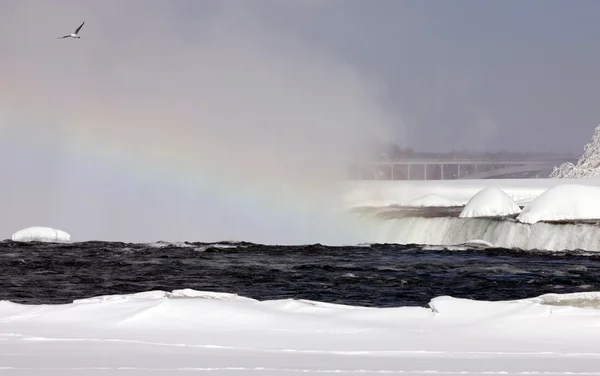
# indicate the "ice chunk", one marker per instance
pixel 40 234
pixel 563 202
pixel 490 202
pixel 577 299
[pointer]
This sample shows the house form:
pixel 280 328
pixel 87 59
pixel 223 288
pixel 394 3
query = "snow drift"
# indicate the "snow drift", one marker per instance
pixel 40 234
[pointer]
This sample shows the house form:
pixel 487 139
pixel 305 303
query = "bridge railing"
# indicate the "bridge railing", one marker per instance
pixel 452 169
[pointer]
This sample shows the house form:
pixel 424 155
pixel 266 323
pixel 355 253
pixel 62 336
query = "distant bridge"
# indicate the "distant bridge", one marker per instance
pixel 437 169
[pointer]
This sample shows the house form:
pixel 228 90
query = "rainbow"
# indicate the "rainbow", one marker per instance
pixel 276 213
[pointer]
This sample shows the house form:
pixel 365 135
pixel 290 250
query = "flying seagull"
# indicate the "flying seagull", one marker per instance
pixel 74 35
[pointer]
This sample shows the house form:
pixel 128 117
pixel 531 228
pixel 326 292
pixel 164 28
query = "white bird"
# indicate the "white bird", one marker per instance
pixel 74 35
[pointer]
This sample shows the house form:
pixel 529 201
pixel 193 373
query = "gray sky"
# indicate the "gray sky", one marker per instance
pixel 182 91
pixel 510 74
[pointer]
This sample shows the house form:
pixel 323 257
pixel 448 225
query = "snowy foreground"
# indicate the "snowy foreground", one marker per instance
pixel 183 332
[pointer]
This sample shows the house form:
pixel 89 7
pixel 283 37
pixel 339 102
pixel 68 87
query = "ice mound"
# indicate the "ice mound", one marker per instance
pixel 490 202
pixel 432 200
pixel 563 202
pixel 40 234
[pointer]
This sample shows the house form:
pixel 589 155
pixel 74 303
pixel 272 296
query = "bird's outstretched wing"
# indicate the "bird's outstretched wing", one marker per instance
pixel 66 36
pixel 79 28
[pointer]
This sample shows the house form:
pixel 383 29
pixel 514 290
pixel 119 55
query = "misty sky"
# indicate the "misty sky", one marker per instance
pixel 510 74
pixel 160 98
pixel 516 75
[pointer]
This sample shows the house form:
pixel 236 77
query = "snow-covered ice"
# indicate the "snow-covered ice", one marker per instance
pixel 490 202
pixel 401 192
pixel 40 234
pixel 564 202
pixel 188 332
pixel 432 200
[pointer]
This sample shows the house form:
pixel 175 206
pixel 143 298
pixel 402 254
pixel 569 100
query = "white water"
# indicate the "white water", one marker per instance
pixel 501 233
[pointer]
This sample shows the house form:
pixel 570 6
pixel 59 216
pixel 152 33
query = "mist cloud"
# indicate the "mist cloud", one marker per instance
pixel 211 90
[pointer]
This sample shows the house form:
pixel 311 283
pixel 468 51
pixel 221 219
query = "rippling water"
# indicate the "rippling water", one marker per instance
pixel 376 275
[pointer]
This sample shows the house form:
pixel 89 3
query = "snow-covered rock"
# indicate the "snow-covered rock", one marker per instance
pixel 562 203
pixel 490 202
pixel 40 234
pixel 588 164
pixel 432 200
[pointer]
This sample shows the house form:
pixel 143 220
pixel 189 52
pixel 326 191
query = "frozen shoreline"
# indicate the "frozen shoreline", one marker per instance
pixel 188 331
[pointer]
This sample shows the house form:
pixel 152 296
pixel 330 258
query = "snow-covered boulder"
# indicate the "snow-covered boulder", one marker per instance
pixel 432 201
pixel 563 203
pixel 490 202
pixel 40 234
pixel 588 164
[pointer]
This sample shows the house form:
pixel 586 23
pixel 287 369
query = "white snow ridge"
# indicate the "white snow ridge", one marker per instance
pixel 40 234
pixel 490 202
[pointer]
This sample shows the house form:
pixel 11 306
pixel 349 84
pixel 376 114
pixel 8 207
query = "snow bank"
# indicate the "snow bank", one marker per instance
pixel 40 234
pixel 432 200
pixel 564 202
pixel 221 336
pixel 385 192
pixel 490 202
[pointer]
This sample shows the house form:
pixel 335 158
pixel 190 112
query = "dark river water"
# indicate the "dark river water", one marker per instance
pixel 375 275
